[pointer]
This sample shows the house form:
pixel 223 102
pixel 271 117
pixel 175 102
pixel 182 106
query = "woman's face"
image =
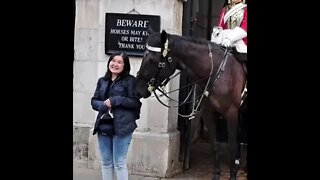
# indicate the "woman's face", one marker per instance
pixel 116 65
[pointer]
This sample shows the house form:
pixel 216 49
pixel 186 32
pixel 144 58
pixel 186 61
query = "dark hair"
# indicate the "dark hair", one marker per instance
pixel 126 68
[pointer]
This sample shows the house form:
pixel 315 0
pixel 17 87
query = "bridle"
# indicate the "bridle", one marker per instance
pixel 153 83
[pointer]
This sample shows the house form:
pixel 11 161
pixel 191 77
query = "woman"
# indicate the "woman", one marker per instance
pixel 118 109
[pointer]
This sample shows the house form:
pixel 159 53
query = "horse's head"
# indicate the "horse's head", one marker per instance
pixel 156 66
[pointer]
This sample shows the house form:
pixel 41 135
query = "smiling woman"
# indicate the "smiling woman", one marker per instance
pixel 118 111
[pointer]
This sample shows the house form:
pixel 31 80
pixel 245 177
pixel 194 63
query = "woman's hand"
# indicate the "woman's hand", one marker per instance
pixel 107 103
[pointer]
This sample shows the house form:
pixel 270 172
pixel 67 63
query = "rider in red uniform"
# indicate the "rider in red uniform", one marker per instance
pixel 232 31
pixel 232 27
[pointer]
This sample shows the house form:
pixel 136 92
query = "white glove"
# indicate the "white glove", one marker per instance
pixel 236 34
pixel 226 42
pixel 215 35
pixel 216 30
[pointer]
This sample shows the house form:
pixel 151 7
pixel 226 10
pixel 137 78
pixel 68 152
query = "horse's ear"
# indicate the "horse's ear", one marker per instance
pixel 150 31
pixel 163 36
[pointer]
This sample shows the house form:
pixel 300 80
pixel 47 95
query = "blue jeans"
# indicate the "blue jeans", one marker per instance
pixel 113 151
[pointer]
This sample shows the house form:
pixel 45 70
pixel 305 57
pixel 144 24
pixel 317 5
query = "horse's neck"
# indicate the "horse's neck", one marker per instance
pixel 195 60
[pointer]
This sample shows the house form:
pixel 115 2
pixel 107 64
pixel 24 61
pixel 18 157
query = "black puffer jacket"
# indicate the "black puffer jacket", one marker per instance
pixel 125 107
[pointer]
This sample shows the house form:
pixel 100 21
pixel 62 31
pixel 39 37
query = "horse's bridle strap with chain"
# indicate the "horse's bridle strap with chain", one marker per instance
pixel 153 81
pixel 209 84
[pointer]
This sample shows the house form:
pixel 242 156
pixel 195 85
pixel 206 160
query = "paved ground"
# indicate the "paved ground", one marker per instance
pixel 200 168
pixel 192 174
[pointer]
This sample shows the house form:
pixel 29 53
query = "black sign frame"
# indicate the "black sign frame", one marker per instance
pixel 128 32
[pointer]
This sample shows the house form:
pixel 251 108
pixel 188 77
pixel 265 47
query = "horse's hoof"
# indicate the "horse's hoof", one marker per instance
pixel 216 177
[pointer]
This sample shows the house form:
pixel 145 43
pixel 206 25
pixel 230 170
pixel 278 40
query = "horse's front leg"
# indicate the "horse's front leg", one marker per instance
pixel 210 120
pixel 233 121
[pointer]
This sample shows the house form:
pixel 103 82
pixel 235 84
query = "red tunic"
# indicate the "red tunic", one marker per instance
pixel 243 23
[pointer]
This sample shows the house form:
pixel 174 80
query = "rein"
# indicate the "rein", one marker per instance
pixel 196 104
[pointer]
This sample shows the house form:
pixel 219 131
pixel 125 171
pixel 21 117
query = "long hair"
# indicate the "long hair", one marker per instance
pixel 126 68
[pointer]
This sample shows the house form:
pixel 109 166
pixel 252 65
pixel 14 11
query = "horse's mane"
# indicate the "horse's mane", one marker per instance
pixel 178 40
pixel 190 39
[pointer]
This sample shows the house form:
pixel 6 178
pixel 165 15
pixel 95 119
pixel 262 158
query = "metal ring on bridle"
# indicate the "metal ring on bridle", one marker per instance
pixel 169 59
pixel 152 80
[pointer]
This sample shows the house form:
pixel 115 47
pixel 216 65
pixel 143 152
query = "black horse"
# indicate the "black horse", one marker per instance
pixel 215 70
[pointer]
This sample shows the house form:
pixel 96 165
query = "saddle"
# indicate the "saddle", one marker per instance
pixel 241 57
